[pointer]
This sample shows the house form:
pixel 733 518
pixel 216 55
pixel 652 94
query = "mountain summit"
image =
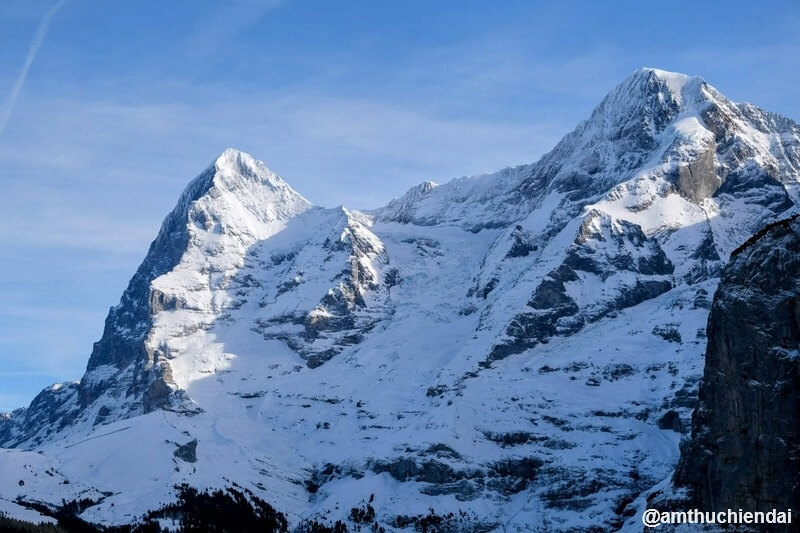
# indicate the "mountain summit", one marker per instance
pixel 520 349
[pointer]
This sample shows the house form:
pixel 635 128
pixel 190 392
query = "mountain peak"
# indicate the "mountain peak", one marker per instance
pixel 233 203
pixel 233 168
pixel 656 89
pixel 675 81
pixel 234 160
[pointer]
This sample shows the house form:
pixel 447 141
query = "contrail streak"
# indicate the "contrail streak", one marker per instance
pixel 38 38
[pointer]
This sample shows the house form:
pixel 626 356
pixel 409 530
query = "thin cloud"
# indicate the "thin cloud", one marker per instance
pixel 23 373
pixel 326 147
pixel 38 39
pixel 229 20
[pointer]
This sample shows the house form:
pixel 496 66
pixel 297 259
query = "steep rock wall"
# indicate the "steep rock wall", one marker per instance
pixel 745 446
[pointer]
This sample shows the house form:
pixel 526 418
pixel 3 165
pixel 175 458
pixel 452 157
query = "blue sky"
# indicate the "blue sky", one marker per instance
pixel 351 102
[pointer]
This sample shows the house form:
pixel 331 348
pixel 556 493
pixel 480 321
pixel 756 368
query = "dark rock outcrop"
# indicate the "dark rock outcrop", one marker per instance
pixel 698 179
pixel 351 262
pixel 604 250
pixel 745 445
pixel 671 420
pixel 187 452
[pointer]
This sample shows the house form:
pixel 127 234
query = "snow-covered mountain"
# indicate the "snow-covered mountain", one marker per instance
pixel 521 349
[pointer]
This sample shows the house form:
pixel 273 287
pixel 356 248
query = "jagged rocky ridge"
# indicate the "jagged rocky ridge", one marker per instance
pixel 526 343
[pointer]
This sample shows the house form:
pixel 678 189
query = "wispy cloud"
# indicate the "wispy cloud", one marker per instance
pixel 229 19
pixel 23 373
pixel 333 149
pixel 38 38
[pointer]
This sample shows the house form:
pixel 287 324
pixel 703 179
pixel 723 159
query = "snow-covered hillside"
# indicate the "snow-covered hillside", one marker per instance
pixel 522 346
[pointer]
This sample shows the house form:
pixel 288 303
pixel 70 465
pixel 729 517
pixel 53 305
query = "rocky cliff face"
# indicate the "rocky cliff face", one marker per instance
pixel 522 347
pixel 745 446
pixel 609 253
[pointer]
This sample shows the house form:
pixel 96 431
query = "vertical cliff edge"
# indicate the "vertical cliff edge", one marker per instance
pixel 744 452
